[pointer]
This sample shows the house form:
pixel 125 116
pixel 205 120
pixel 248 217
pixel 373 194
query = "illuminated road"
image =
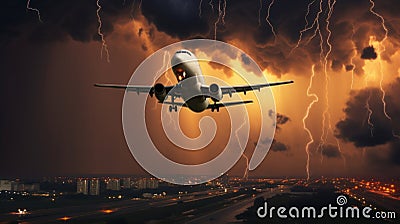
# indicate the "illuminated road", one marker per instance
pixel 378 200
pixel 375 194
pixel 227 214
pixel 104 210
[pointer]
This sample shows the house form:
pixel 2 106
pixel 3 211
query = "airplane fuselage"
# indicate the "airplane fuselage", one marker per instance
pixel 191 87
pixel 186 67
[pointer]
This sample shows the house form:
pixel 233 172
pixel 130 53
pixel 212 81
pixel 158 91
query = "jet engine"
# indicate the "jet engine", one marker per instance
pixel 160 92
pixel 215 92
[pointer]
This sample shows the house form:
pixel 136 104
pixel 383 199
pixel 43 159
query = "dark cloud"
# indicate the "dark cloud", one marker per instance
pixel 279 146
pixel 385 157
pixel 271 113
pixel 144 47
pixel 178 18
pixel 62 19
pixel 394 153
pixel 276 146
pixel 349 67
pixel 369 53
pixel 281 119
pixel 355 128
pixel 351 24
pixel 140 31
pixel 330 151
pixel 245 59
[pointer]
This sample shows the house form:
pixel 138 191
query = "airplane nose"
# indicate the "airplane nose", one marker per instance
pixel 176 59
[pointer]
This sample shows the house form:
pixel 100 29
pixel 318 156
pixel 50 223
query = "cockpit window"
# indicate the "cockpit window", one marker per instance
pixel 180 74
pixel 185 52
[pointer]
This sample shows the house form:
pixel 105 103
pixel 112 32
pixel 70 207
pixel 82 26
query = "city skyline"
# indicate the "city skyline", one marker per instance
pixel 225 199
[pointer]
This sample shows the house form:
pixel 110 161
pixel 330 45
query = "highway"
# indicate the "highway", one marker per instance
pixel 237 206
pixel 104 210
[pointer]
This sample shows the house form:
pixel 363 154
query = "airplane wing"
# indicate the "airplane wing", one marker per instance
pixel 228 104
pixel 133 88
pixel 245 88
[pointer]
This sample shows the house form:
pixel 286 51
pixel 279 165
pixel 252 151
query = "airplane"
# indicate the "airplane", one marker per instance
pixel 194 91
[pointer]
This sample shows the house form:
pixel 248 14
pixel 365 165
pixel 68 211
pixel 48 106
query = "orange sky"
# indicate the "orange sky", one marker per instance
pixel 59 122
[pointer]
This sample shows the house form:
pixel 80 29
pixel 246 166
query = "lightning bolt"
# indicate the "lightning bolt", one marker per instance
pixel 371 9
pixel 166 59
pixel 201 2
pixel 310 136
pixel 163 68
pixel 305 29
pixel 132 10
pixel 28 7
pixel 246 171
pixel 383 92
pixel 221 16
pixel 317 29
pixel 381 50
pixel 210 3
pixel 367 106
pixel 323 61
pixel 223 12
pixel 352 58
pixel 267 18
pixel 326 116
pixel 324 43
pixel 364 150
pixel 341 152
pixel 218 19
pixel 104 46
pixel 382 46
pixel 259 13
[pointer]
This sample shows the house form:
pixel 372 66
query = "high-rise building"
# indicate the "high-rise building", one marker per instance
pixel 152 183
pixel 82 186
pixel 5 185
pixel 94 188
pixel 33 187
pixel 147 183
pixel 113 184
pixel 126 183
pixel 18 186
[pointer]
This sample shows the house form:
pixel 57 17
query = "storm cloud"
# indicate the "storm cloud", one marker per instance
pixel 369 53
pixel 279 146
pixel 330 151
pixel 380 130
pixel 239 22
pixel 276 146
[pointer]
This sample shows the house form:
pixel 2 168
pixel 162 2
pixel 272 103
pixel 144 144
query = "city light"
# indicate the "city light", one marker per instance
pixel 65 218
pixel 107 211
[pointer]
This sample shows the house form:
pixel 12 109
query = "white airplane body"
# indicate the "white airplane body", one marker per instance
pixel 191 87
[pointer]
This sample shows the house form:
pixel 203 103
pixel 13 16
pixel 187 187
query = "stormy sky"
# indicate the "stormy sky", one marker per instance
pixel 342 55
